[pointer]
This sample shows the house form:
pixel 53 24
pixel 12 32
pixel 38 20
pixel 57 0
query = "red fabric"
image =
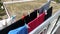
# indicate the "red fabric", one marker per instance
pixel 36 22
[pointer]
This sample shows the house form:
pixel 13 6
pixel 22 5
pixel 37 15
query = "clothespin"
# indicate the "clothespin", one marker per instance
pixel 13 17
pixel 23 16
pixel 45 12
pixel 29 13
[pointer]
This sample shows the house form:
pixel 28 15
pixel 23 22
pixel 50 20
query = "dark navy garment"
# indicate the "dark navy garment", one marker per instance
pixel 33 15
pixel 20 30
pixel 49 13
pixel 27 19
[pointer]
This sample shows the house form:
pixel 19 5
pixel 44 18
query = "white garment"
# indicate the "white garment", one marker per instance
pixel 9 21
pixel 2 24
pixel 6 22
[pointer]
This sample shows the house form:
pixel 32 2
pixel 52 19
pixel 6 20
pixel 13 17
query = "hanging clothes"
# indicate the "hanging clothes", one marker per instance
pixel 8 21
pixel 20 30
pixel 49 13
pixel 5 22
pixel 33 15
pixel 27 19
pixel 11 20
pixel 44 7
pixel 19 23
pixel 12 26
pixel 36 22
pixel 2 24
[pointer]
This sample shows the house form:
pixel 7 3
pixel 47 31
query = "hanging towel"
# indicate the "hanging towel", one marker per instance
pixel 36 22
pixel 27 19
pixel 49 13
pixel 12 26
pixel 20 30
pixel 8 21
pixel 33 15
pixel 5 22
pixel 44 7
pixel 11 20
pixel 17 24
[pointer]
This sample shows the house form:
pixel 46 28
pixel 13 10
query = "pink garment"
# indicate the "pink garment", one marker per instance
pixel 36 22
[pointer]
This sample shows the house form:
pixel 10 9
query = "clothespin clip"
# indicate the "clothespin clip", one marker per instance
pixel 23 16
pixel 13 17
pixel 45 12
pixel 29 13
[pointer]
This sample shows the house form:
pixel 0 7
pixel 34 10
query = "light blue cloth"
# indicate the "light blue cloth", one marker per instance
pixel 20 30
pixel 13 17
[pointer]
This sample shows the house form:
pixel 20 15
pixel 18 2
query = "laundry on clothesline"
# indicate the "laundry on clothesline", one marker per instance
pixel 20 30
pixel 32 20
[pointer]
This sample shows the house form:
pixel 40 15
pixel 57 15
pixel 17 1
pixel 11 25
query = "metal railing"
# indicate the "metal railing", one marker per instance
pixel 45 24
pixel 10 2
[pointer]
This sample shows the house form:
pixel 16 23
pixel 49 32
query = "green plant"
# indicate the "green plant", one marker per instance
pixel 2 11
pixel 58 1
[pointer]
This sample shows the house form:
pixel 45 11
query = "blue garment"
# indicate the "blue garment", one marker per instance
pixel 20 30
